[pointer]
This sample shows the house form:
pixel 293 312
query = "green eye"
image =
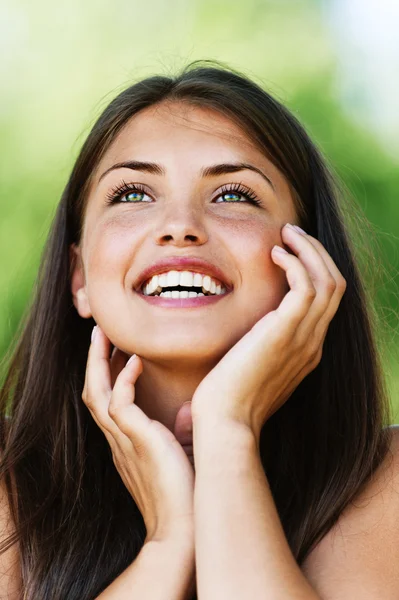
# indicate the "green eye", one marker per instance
pixel 128 193
pixel 237 193
pixel 132 195
pixel 230 194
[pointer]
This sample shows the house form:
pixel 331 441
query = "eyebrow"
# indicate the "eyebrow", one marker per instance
pixel 212 171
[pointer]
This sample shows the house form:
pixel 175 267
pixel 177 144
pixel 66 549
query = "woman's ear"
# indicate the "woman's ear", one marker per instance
pixel 78 286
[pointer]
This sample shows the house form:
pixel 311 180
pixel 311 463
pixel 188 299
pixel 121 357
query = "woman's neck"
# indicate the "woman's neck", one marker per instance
pixel 161 390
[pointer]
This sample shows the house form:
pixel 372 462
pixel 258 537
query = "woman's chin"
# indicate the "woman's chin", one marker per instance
pixel 182 352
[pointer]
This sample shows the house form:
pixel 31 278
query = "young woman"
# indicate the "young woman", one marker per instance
pixel 228 440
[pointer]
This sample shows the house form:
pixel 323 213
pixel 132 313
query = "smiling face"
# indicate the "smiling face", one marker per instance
pixel 181 213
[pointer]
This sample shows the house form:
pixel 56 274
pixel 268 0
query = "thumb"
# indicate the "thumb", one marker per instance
pixel 183 427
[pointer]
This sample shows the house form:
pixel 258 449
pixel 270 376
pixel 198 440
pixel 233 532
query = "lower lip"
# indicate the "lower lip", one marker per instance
pixel 182 302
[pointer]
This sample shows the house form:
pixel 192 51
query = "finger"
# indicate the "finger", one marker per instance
pixel 84 391
pixel 118 361
pixel 336 273
pixel 323 280
pixel 98 368
pixel 98 386
pixel 340 280
pixel 296 304
pixel 183 427
pixel 130 419
pixel 110 438
pixel 340 286
pixel 183 430
pixel 142 432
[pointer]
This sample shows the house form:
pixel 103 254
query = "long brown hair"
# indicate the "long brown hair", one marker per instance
pixel 77 526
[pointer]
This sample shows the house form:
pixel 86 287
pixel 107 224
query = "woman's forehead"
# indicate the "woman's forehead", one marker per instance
pixel 196 134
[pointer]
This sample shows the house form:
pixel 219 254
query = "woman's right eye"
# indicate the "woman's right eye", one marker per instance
pixel 126 190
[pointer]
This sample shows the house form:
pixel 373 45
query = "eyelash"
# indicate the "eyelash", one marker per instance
pixel 114 195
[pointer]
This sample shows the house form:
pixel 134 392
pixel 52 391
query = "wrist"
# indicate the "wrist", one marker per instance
pixel 211 423
pixel 215 438
pixel 220 419
pixel 179 535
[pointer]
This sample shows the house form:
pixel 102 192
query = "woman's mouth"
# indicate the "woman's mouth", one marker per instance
pixel 182 284
pixel 182 289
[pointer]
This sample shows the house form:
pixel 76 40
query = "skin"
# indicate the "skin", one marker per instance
pixel 119 241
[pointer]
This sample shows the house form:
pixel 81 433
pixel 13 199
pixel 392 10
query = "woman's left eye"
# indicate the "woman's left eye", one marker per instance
pixel 126 190
pixel 237 189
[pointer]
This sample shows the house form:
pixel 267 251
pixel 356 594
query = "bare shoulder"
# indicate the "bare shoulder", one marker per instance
pixel 10 576
pixel 359 556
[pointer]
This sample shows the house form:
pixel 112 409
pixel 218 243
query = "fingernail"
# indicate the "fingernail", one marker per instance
pixel 297 228
pixel 131 359
pixel 280 249
pixel 93 333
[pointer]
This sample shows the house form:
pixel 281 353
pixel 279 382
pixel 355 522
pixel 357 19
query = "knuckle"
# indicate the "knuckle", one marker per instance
pixel 318 356
pixel 342 285
pixel 310 293
pixel 315 362
pixel 88 400
pixel 119 415
pixel 141 449
pixel 154 424
pixel 313 350
pixel 118 458
pixel 163 432
pixel 315 356
pixel 330 285
pixel 115 459
pixel 113 410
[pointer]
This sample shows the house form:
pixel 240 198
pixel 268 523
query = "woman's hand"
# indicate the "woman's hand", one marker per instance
pixel 148 457
pixel 260 372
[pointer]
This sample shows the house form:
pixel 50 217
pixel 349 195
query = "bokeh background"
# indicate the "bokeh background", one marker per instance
pixel 334 63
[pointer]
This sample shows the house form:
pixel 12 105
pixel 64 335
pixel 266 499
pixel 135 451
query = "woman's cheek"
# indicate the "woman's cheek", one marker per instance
pixel 111 250
pixel 108 263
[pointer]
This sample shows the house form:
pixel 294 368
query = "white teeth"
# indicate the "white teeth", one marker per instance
pixel 183 294
pixel 163 280
pixel 173 278
pixel 153 284
pixel 185 279
pixel 197 280
pixel 206 283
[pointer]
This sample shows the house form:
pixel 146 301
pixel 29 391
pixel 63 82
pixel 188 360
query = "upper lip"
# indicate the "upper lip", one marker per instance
pixel 181 263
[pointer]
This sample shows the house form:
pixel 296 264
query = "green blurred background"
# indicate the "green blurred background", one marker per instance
pixel 334 64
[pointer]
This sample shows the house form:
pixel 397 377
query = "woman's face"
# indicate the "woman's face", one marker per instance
pixel 181 213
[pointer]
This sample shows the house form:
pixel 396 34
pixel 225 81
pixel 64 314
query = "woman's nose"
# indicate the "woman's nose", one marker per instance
pixel 180 228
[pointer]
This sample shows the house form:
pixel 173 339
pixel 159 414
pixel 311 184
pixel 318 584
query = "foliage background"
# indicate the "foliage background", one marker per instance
pixel 61 63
